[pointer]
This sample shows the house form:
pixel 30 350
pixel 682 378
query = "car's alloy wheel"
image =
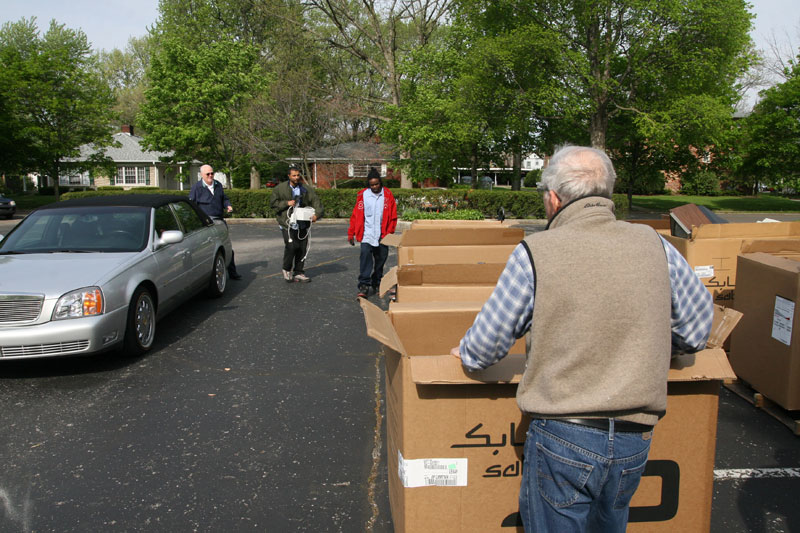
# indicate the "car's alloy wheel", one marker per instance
pixel 219 277
pixel 141 326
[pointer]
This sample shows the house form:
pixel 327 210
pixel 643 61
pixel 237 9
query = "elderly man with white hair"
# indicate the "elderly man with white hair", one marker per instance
pixel 210 195
pixel 603 304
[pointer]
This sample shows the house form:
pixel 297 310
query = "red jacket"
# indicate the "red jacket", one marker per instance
pixel 388 220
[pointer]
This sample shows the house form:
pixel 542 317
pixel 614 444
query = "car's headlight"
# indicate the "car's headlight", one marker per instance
pixel 83 302
pixel 12 203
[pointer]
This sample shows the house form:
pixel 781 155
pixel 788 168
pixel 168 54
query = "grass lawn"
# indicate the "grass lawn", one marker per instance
pixel 32 201
pixel 762 203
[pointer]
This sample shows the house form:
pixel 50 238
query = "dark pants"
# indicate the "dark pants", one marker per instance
pixel 294 252
pixel 232 264
pixel 372 260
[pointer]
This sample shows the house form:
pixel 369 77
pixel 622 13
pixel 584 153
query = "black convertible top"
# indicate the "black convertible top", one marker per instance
pixel 126 200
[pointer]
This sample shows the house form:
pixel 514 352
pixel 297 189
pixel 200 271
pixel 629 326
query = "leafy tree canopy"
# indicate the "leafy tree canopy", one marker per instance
pixel 54 99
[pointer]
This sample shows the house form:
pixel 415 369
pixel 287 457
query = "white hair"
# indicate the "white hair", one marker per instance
pixel 577 171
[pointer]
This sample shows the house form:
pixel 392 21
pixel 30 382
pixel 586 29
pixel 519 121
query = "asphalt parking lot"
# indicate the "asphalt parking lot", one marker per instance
pixel 262 411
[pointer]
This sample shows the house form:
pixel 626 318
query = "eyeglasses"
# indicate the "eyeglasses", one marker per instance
pixel 209 174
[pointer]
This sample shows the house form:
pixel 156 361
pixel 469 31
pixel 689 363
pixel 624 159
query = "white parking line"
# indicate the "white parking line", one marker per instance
pixel 752 473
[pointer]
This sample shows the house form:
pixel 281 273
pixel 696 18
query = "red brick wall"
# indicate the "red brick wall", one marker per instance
pixel 326 173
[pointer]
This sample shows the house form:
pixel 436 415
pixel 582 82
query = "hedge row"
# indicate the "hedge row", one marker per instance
pixel 339 203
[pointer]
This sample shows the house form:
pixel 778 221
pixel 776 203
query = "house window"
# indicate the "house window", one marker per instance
pixel 361 171
pixel 133 176
pixel 75 178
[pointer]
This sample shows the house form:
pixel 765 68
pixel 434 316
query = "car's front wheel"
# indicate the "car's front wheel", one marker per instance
pixel 141 326
pixel 219 277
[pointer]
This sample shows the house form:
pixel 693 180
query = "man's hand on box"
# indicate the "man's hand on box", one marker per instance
pixel 455 352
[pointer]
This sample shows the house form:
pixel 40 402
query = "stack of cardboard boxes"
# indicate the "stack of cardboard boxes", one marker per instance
pixel 755 268
pixel 455 438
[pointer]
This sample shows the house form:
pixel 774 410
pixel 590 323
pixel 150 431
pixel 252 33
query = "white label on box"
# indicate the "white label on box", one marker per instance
pixel 782 320
pixel 432 472
pixel 704 271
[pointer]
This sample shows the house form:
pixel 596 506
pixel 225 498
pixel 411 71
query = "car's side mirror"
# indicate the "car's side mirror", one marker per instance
pixel 169 237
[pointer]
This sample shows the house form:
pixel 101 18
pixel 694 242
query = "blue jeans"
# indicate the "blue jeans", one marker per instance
pixel 577 478
pixel 373 258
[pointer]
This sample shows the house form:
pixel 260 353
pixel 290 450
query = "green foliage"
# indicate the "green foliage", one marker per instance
pixel 52 98
pixel 411 214
pixel 533 177
pixel 772 132
pixel 519 204
pixel 701 183
pixel 193 94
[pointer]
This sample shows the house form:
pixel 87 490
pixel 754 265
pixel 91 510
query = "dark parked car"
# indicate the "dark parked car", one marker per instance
pixel 7 207
pixel 87 275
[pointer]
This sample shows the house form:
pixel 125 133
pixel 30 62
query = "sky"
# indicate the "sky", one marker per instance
pixel 109 24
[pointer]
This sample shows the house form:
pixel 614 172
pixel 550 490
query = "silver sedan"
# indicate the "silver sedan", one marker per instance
pixel 88 275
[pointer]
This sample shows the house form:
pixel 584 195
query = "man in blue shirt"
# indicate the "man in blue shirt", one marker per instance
pixel 602 303
pixel 209 194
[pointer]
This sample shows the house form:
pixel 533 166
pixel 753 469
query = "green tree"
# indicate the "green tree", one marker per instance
pixel 53 97
pixel 124 71
pixel 648 59
pixel 772 133
pixel 193 94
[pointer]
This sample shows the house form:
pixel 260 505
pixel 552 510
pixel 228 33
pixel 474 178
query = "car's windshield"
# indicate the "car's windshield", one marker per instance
pixel 80 229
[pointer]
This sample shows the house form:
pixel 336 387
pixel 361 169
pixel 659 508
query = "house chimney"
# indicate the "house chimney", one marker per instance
pixel 127 128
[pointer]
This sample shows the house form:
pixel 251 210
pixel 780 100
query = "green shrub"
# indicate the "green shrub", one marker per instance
pixel 518 204
pixel 338 203
pixel 456 214
pixel 701 183
pixel 532 178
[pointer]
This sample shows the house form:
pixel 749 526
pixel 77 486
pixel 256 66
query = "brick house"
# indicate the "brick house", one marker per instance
pixel 348 161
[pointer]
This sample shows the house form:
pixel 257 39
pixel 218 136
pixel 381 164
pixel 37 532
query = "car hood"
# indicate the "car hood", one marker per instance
pixel 57 273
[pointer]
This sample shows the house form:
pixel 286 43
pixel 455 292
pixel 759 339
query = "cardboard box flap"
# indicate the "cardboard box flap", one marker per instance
pixel 706 365
pixel 438 307
pixel 745 230
pixel 388 281
pixel 379 327
pixel 725 319
pixel 782 247
pixel 393 239
pixel 450 274
pixel 447 370
pixel 790 264
pixel 460 236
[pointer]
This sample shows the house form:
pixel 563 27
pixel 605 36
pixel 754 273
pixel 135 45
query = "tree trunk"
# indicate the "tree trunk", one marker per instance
pixel 55 179
pixel 474 166
pixel 255 178
pixel 516 175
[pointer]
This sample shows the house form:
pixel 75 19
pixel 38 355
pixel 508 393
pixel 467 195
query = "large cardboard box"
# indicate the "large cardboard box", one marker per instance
pixel 447 282
pixel 765 348
pixel 452 244
pixel 712 250
pixel 455 438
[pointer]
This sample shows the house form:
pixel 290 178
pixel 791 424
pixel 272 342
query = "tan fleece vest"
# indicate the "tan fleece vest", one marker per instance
pixel 599 343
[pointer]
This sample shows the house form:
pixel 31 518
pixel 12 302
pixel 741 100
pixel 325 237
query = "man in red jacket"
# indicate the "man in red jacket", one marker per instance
pixel 374 216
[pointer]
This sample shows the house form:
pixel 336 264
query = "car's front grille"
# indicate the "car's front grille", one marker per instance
pixel 15 308
pixel 54 348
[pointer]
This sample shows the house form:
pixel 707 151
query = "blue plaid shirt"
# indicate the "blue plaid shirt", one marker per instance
pixel 507 314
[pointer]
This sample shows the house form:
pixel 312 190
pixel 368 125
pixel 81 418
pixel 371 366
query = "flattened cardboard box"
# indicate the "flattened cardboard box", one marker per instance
pixel 712 250
pixel 449 244
pixel 455 438
pixel 765 348
pixel 448 282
